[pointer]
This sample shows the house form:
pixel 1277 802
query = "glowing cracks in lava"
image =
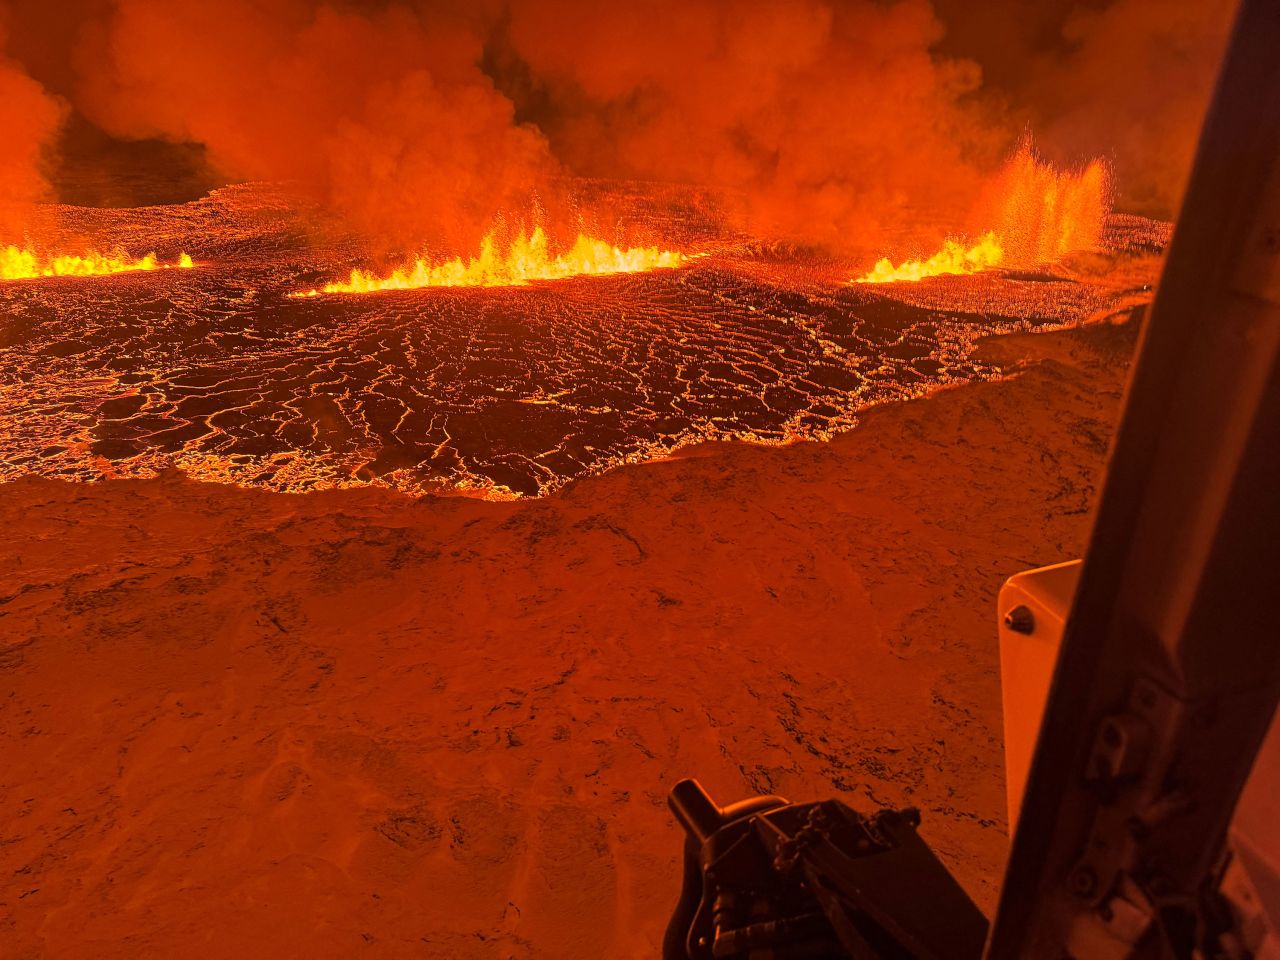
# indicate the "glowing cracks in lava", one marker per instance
pixel 18 264
pixel 527 259
pixel 953 258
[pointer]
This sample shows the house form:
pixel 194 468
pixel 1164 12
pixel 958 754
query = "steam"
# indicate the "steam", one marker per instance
pixel 29 118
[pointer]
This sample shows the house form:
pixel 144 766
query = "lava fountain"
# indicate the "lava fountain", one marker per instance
pixel 1038 215
pixel 24 264
pixel 526 259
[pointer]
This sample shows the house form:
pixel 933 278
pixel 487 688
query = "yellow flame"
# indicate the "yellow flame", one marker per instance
pixel 528 258
pixel 953 258
pixel 19 264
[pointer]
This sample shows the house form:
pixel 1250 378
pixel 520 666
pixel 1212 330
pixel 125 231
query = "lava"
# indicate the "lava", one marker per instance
pixel 1039 214
pixel 526 259
pixel 22 264
pixel 953 258
pixel 1045 214
pixel 497 393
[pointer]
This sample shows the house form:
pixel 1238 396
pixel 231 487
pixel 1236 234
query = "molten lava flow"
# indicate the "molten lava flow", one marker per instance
pixel 953 258
pixel 1041 214
pixel 17 264
pixel 528 258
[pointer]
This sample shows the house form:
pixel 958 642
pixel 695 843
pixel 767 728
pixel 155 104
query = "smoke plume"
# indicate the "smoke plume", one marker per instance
pixel 1132 81
pixel 837 122
pixel 843 123
pixel 828 122
pixel 1128 80
pixel 382 114
pixel 29 119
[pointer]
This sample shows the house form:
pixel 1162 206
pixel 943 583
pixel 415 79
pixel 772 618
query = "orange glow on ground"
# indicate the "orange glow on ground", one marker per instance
pixel 19 264
pixel 527 259
pixel 1038 215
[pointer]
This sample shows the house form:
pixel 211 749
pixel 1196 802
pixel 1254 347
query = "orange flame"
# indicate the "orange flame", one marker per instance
pixel 19 264
pixel 1042 214
pixel 528 258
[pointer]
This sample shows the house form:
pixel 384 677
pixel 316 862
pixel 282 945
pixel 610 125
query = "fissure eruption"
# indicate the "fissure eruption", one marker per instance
pixel 24 264
pixel 525 259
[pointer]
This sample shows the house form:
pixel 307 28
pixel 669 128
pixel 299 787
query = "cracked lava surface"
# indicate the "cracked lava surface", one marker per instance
pixel 498 392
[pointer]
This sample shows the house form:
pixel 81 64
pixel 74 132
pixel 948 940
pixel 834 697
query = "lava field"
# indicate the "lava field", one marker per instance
pixel 492 391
